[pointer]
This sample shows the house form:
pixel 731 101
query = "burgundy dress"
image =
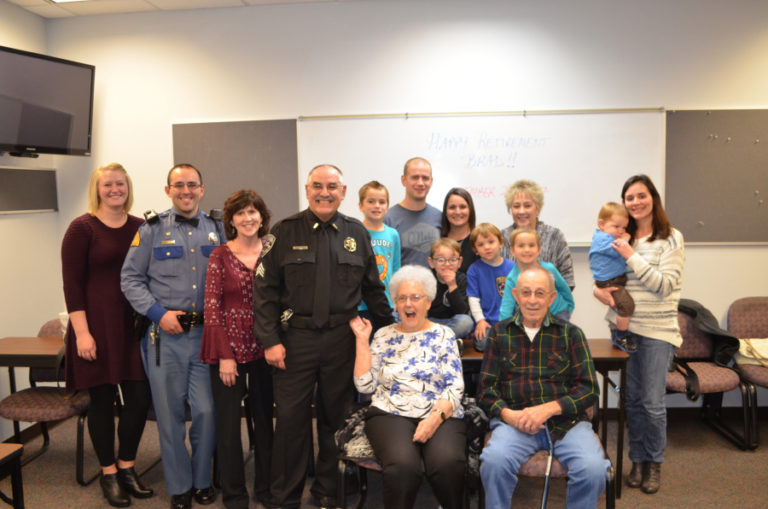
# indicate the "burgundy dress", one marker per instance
pixel 92 255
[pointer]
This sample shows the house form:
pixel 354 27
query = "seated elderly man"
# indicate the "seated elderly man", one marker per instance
pixel 538 379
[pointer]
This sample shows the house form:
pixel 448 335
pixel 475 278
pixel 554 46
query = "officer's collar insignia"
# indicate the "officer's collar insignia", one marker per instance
pixel 213 238
pixel 316 225
pixel 350 244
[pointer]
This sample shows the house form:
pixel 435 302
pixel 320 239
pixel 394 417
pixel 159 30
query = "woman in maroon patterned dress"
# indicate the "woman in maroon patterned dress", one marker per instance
pixel 231 349
pixel 101 352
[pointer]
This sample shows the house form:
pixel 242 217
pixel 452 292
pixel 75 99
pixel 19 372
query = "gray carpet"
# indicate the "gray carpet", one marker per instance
pixel 702 471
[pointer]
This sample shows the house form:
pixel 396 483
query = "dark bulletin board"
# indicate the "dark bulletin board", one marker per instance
pixel 27 190
pixel 717 175
pixel 259 155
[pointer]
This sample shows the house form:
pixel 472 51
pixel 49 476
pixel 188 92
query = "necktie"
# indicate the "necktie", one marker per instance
pixel 191 220
pixel 320 310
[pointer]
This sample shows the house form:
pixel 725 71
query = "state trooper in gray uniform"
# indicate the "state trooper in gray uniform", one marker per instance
pixel 163 277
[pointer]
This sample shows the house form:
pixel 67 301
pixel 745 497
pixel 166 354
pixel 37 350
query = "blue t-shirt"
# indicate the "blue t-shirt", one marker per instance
pixel 563 302
pixel 386 247
pixel 418 229
pixel 606 263
pixel 486 282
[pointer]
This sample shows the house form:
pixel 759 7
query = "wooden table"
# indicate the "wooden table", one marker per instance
pixel 31 352
pixel 606 358
pixel 10 464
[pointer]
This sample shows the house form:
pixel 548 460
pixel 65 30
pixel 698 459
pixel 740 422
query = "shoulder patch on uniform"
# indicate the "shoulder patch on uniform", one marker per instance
pixel 136 240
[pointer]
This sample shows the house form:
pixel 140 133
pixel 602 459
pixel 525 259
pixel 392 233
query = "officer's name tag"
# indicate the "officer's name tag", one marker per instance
pixel 300 248
pixel 167 242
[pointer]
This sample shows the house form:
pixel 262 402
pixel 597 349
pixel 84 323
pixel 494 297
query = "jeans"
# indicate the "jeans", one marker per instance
pixel 579 451
pixel 644 395
pixel 461 325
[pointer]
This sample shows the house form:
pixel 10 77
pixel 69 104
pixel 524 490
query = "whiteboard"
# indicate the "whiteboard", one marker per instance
pixel 580 160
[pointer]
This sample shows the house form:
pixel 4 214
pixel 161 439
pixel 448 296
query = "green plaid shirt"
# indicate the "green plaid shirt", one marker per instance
pixel 555 366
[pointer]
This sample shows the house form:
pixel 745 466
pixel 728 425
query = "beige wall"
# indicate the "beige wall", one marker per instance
pixel 267 62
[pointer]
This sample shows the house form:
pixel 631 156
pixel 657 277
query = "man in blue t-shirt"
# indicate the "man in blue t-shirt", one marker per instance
pixel 417 222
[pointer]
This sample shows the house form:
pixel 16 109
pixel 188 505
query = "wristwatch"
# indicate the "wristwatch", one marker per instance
pixel 440 413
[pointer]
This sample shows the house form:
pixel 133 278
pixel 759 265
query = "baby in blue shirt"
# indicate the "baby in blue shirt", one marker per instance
pixel 609 268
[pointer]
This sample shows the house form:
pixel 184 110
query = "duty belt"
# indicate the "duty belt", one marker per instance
pixel 306 322
pixel 190 319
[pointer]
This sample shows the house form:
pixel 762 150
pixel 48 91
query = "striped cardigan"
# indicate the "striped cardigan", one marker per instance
pixel 654 280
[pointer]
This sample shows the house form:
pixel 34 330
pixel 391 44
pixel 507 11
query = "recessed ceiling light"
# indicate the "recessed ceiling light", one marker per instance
pixel 66 1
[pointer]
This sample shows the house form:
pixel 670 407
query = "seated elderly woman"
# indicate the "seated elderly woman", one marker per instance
pixel 413 370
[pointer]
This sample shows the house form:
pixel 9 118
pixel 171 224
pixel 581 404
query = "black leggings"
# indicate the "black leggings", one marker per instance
pixel 133 416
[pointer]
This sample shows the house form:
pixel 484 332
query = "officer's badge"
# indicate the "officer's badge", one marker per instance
pixel 213 238
pixel 350 244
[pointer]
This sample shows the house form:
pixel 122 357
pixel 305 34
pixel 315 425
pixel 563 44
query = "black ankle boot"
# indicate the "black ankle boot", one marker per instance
pixel 130 482
pixel 113 492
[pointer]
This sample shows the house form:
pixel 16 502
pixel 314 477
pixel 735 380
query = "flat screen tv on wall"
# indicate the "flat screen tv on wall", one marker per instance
pixel 46 104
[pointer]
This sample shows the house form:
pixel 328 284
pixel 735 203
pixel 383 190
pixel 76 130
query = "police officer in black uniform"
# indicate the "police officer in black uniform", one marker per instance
pixel 307 288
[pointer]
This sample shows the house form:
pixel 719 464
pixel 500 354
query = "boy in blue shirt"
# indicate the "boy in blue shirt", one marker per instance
pixel 374 202
pixel 609 267
pixel 485 280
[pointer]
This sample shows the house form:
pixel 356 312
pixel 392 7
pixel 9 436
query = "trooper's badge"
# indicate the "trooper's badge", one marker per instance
pixel 213 239
pixel 350 244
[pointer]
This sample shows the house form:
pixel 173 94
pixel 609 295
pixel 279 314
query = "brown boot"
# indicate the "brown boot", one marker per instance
pixel 651 477
pixel 635 477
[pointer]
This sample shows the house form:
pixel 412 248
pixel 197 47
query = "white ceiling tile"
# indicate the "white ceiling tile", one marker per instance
pixel 29 3
pixel 167 5
pixel 49 11
pixel 93 7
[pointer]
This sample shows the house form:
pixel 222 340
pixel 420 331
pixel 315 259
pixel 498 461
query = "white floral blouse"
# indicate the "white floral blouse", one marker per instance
pixel 410 371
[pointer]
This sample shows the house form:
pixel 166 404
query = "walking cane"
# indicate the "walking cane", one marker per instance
pixel 548 473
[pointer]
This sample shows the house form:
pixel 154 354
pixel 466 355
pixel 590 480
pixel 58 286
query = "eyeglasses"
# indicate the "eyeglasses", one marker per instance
pixel 539 294
pixel 415 298
pixel 331 186
pixel 443 261
pixel 189 185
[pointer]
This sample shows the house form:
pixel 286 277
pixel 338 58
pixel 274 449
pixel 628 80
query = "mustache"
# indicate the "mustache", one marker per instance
pixel 324 198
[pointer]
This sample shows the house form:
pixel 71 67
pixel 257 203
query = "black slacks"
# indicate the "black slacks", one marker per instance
pixel 313 356
pixel 255 377
pixel 443 456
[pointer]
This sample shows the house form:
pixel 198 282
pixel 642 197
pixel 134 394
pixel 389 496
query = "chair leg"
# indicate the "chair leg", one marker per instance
pixel 712 415
pixel 754 410
pixel 610 489
pixel 28 458
pixel 79 454
pixel 363 475
pixel 748 414
pixel 341 493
